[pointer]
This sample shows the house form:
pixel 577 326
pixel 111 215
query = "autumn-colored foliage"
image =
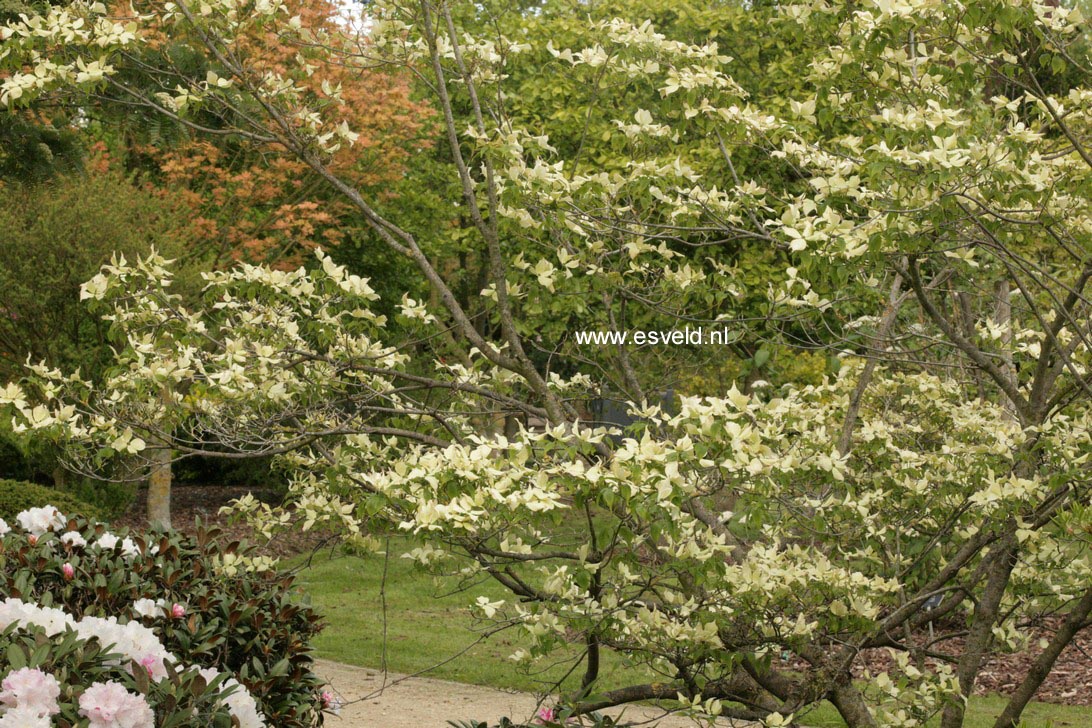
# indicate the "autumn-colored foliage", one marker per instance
pixel 268 206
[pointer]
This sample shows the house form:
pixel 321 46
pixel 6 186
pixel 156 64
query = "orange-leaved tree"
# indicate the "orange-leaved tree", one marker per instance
pixel 265 205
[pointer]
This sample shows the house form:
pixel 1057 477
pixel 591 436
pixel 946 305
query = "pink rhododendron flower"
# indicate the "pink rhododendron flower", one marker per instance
pixel 68 571
pixel 149 663
pixel 331 702
pixel 31 689
pixel 110 705
pixel 546 715
pixel 178 611
pixel 32 540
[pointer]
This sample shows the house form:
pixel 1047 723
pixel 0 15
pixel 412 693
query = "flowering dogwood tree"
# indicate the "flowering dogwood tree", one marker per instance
pixel 926 191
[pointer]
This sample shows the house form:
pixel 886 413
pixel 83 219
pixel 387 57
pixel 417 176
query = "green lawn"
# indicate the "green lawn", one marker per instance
pixel 423 630
pixel 983 711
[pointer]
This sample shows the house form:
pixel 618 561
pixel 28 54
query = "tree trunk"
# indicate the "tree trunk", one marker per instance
pixel 159 488
pixel 1003 317
pixel 981 631
pixel 851 706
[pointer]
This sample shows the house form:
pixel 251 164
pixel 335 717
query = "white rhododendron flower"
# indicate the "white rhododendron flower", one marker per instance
pixel 24 718
pixel 129 549
pixel 107 541
pixel 4 527
pixel 37 521
pixel 31 689
pixel 110 705
pixel 133 640
pixel 73 539
pixel 16 611
pixel 240 703
pixel 146 608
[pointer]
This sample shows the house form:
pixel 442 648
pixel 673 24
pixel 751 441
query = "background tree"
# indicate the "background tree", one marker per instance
pixel 35 142
pixel 262 204
pixel 58 235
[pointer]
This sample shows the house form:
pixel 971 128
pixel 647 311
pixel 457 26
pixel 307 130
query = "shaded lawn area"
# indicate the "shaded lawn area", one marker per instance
pixel 425 631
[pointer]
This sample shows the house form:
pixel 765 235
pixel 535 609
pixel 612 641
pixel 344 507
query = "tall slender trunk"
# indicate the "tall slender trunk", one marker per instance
pixel 159 488
pixel 1002 315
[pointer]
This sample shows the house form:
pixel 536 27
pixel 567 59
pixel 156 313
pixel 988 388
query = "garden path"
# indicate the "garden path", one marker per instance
pixel 420 702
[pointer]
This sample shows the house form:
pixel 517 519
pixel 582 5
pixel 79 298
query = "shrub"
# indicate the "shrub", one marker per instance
pixel 55 237
pixel 92 668
pixel 17 496
pixel 210 607
pixel 108 498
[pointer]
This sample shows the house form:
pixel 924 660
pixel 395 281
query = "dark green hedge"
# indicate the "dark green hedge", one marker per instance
pixel 17 496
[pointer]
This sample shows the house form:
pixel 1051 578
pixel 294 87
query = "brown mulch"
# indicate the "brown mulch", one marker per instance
pixel 1069 682
pixel 190 503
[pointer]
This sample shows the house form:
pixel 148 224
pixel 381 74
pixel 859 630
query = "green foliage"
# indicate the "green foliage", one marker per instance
pixel 106 497
pixel 33 147
pixel 56 236
pixel 240 621
pixel 32 152
pixel 17 496
pixel 13 463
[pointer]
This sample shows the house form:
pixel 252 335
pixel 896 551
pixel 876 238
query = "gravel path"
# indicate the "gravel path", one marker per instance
pixel 426 703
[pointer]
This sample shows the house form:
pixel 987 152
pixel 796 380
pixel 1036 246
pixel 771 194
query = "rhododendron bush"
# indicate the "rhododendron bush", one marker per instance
pixel 923 190
pixel 151 629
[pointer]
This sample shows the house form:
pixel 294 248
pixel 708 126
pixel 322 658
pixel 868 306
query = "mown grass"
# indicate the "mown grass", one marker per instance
pixel 981 714
pixel 429 627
